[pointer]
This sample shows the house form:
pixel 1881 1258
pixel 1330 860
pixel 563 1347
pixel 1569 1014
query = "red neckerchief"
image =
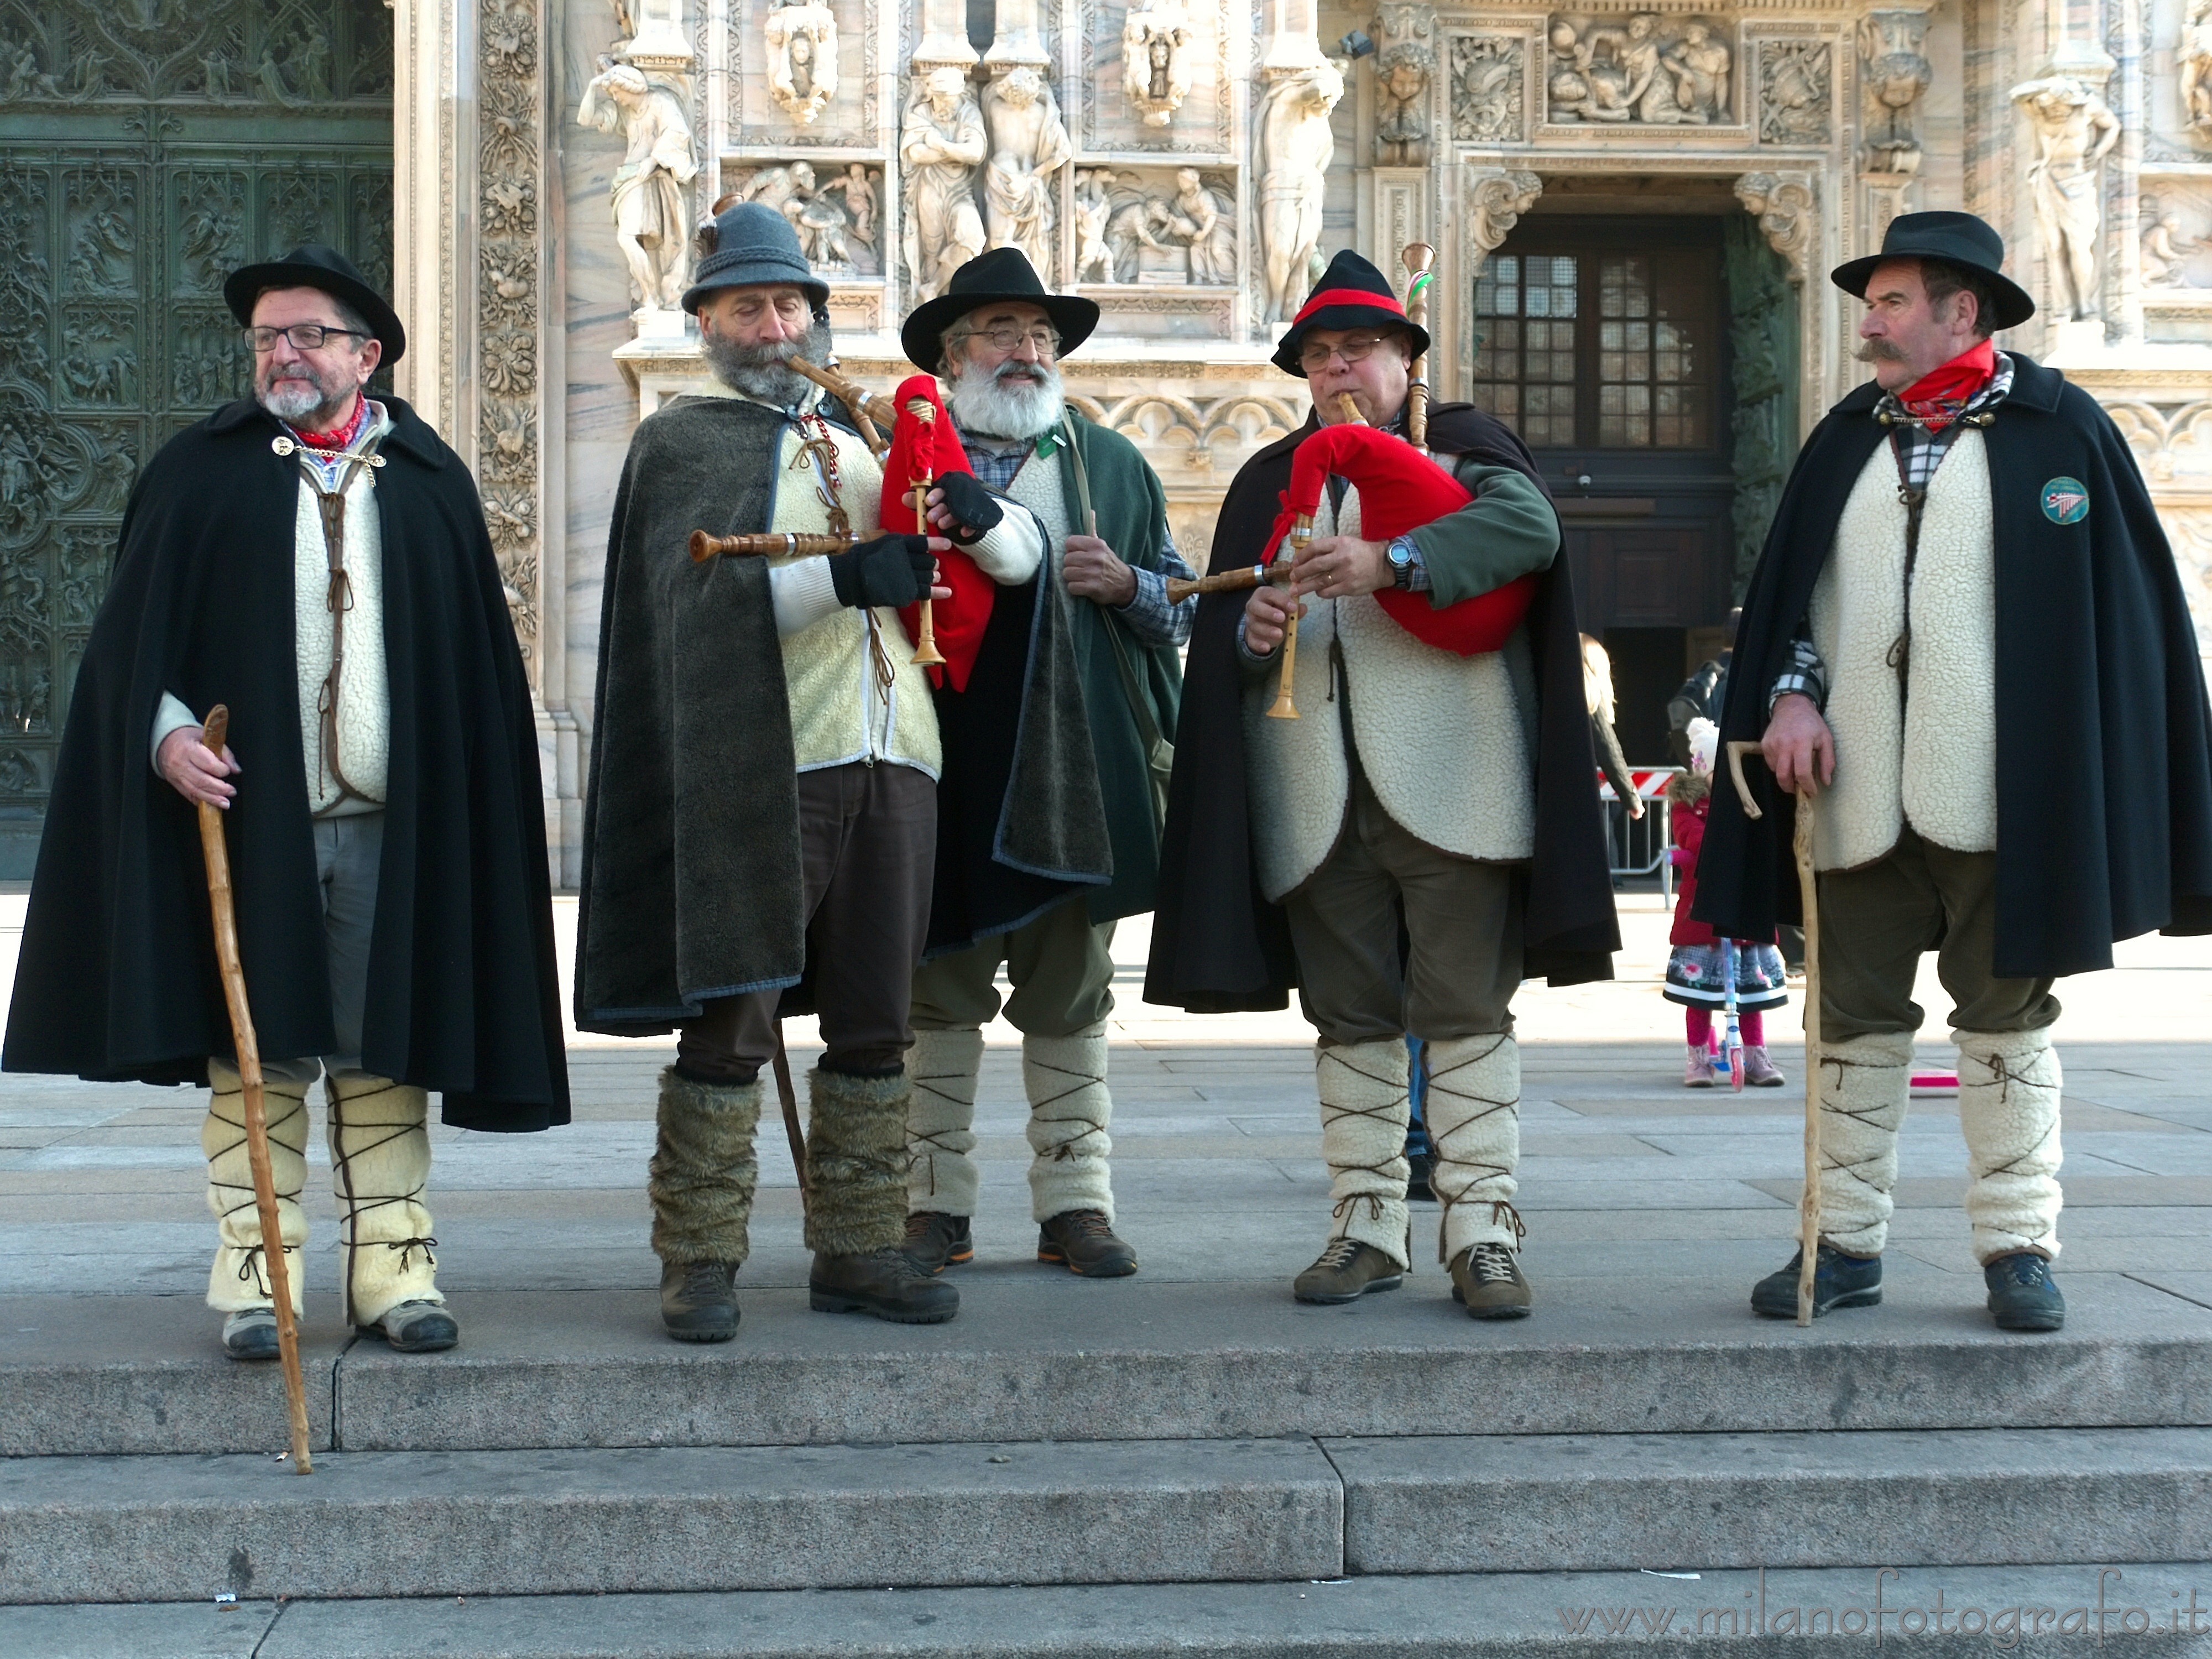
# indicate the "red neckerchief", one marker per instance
pixel 338 442
pixel 1937 397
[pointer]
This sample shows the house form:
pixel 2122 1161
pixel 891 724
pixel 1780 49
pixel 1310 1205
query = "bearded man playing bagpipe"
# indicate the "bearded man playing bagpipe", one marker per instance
pixel 1426 831
pixel 761 821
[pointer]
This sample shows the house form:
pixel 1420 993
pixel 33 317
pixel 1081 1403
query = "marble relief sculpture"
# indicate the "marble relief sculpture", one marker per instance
pixel 1188 227
pixel 652 227
pixel 1485 88
pixel 2074 133
pixel 942 142
pixel 1794 90
pixel 835 218
pixel 1402 109
pixel 1897 74
pixel 802 58
pixel 1295 148
pixel 1617 73
pixel 2165 249
pixel 1156 62
pixel 2194 62
pixel 1029 145
pixel 1094 261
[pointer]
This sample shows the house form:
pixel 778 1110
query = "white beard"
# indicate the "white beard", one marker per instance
pixel 1003 404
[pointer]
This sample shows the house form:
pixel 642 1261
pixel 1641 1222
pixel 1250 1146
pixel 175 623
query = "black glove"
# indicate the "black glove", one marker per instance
pixel 976 511
pixel 891 570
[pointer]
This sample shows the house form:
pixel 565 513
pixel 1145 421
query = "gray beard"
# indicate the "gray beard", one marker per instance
pixel 294 400
pixel 982 402
pixel 759 371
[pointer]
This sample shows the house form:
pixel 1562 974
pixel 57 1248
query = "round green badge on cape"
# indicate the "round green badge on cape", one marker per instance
pixel 2065 501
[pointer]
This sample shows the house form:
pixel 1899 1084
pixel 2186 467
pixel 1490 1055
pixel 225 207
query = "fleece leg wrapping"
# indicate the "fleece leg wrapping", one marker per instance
pixel 239 1278
pixel 1070 1113
pixel 855 1162
pixel 703 1170
pixel 1864 1085
pixel 379 1142
pixel 1364 1113
pixel 941 1175
pixel 1472 1109
pixel 2008 1094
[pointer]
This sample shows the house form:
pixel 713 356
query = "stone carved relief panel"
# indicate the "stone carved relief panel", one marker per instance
pixel 1489 98
pixel 1116 114
pixel 1646 68
pixel 2176 239
pixel 298 55
pixel 837 210
pixel 1892 46
pixel 2193 72
pixel 1157 59
pixel 1155 228
pixel 1405 67
pixel 510 150
pixel 801 41
pixel 772 47
pixel 1796 92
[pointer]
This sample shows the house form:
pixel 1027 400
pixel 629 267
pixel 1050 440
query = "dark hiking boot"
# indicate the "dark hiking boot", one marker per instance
pixel 1838 1281
pixel 937 1241
pixel 2022 1294
pixel 884 1282
pixel 1486 1281
pixel 251 1334
pixel 415 1328
pixel 1083 1241
pixel 699 1300
pixel 1346 1271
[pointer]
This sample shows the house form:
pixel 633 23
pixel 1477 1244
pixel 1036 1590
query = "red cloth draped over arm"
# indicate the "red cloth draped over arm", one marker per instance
pixel 934 447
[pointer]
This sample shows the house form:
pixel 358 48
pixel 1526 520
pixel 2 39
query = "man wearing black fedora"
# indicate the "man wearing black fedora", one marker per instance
pixel 1965 635
pixel 1087 632
pixel 314 558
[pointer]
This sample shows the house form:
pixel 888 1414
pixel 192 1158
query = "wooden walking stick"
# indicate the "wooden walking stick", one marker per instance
pixel 1808 1205
pixel 218 852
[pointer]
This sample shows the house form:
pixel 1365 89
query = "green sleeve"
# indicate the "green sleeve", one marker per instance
pixel 1508 530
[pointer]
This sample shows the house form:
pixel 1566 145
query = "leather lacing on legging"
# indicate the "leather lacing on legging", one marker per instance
pixel 2004 1073
pixel 250 1271
pixel 925 1082
pixel 1076 1083
pixel 1869 1117
pixel 1389 1112
pixel 358 1203
pixel 1451 1193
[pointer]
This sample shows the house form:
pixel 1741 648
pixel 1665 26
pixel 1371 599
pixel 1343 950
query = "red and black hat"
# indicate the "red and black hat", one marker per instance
pixel 1351 293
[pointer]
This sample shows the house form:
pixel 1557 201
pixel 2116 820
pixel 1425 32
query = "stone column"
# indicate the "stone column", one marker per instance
pixel 1294 42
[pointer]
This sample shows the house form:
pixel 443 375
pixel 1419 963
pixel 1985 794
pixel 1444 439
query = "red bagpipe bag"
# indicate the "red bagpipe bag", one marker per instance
pixel 1400 490
pixel 933 447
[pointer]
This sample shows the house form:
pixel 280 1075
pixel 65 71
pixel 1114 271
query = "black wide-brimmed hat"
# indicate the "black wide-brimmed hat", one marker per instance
pixel 311 264
pixel 1351 293
pixel 1958 239
pixel 993 278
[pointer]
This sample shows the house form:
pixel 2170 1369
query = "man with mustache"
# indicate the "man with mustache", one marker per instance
pixel 760 817
pixel 1088 633
pixel 314 558
pixel 1966 636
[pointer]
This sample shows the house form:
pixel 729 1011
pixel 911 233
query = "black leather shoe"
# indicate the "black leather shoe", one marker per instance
pixel 885 1283
pixel 937 1241
pixel 1083 1241
pixel 699 1300
pixel 1838 1281
pixel 2022 1294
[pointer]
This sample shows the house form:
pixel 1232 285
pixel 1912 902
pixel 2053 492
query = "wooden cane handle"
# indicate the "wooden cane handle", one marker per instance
pixel 1736 751
pixel 215 729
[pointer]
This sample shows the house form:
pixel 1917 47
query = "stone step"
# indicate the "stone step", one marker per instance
pixel 2049 1610
pixel 552 1522
pixel 1038 1357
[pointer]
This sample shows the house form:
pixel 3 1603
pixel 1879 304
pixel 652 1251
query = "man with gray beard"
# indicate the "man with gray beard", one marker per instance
pixel 382 802
pixel 995 337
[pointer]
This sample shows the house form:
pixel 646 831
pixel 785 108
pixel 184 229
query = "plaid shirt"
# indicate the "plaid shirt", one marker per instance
pixel 1919 451
pixel 1150 617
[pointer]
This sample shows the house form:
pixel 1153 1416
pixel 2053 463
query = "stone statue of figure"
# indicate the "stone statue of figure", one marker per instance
pixel 1155 69
pixel 1206 220
pixel 858 187
pixel 785 189
pixel 651 226
pixel 942 142
pixel 1029 144
pixel 2074 132
pixel 1654 91
pixel 1401 124
pixel 1094 260
pixel 2195 63
pixel 2165 250
pixel 1700 66
pixel 802 58
pixel 1296 147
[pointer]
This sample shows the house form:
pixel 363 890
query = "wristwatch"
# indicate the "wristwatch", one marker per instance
pixel 1401 560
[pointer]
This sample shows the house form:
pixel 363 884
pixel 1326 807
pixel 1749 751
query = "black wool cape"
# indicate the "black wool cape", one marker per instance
pixel 1219 946
pixel 2104 770
pixel 117 976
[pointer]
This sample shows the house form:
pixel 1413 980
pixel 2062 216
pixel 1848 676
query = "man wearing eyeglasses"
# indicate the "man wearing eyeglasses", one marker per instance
pixel 1424 835
pixel 1090 631
pixel 314 558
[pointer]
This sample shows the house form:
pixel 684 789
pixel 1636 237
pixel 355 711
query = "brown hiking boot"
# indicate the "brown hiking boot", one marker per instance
pixel 1486 1281
pixel 699 1301
pixel 1346 1271
pixel 1083 1241
pixel 936 1241
pixel 884 1282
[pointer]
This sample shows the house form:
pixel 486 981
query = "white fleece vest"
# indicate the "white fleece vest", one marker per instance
pixel 364 733
pixel 1445 739
pixel 1920 747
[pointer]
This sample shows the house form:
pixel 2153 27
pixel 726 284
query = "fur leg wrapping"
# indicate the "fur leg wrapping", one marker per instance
pixel 2009 1090
pixel 1070 1111
pixel 1364 1113
pixel 1864 1084
pixel 941 1123
pixel 1473 1107
pixel 855 1160
pixel 239 1278
pixel 379 1164
pixel 703 1169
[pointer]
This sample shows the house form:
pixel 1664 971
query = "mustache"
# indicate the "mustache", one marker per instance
pixel 1879 351
pixel 1015 369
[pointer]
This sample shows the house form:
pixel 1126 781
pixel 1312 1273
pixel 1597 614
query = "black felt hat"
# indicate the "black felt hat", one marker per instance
pixel 311 264
pixel 1958 239
pixel 993 278
pixel 1351 293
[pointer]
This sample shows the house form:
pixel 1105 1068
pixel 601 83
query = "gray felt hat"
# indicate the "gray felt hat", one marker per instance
pixel 748 244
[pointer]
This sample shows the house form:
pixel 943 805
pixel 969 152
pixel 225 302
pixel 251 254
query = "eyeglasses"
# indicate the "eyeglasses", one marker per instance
pixel 1356 350
pixel 304 337
pixel 1044 341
